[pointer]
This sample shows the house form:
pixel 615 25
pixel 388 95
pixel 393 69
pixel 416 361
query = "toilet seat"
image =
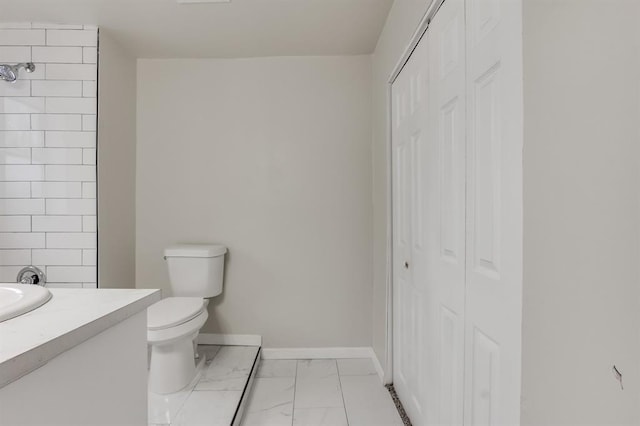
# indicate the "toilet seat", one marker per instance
pixel 188 330
pixel 173 311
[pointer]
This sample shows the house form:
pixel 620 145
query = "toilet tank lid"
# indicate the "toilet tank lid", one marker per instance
pixel 195 250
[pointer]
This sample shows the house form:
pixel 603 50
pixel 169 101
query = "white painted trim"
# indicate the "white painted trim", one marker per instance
pixel 387 372
pixel 230 339
pixel 316 353
pixel 378 367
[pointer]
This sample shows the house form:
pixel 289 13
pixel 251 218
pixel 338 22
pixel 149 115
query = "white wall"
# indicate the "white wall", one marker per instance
pixel 117 162
pixel 582 212
pixel 404 17
pixel 48 154
pixel 271 157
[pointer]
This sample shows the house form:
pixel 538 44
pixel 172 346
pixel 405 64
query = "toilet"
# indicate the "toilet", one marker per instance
pixel 196 274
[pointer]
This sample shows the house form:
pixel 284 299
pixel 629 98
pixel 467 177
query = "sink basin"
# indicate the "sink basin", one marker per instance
pixel 18 299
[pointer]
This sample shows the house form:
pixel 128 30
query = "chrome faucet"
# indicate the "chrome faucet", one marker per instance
pixel 31 275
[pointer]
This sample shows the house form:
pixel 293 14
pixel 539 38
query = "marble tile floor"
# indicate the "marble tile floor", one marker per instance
pixel 212 398
pixel 327 392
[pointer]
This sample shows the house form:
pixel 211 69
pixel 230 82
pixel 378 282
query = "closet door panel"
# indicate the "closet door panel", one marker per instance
pixel 447 124
pixel 401 236
pixel 494 213
pixel 410 291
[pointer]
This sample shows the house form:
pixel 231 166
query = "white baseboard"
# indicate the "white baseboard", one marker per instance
pixel 377 366
pixel 230 339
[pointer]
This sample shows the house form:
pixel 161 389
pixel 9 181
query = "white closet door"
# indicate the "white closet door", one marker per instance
pixel 446 205
pixel 494 212
pixel 457 164
pixel 409 127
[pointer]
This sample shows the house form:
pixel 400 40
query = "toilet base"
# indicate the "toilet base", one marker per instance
pixel 172 366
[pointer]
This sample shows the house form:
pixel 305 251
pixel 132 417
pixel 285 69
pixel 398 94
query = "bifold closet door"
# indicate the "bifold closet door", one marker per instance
pixel 429 210
pixel 457 173
pixel 494 212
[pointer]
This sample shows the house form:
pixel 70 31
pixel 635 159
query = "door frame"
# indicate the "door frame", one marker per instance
pixel 404 57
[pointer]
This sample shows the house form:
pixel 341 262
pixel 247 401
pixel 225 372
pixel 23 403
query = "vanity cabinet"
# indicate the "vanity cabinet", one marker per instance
pixel 100 379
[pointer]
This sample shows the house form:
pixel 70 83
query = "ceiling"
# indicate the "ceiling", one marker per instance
pixel 242 28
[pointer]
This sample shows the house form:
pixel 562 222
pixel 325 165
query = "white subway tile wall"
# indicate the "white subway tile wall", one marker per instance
pixel 48 153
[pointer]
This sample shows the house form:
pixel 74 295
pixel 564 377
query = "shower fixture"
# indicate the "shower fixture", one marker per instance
pixel 10 72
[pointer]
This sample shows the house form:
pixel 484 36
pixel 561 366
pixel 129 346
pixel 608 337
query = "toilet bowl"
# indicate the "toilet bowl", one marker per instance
pixel 173 324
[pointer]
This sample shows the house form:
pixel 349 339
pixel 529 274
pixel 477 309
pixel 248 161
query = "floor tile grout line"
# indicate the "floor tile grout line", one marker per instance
pixel 344 403
pixel 295 387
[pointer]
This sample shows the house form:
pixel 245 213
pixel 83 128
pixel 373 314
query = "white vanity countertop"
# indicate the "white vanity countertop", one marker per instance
pixel 71 317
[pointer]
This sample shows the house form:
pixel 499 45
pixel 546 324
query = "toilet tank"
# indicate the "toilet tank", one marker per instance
pixel 195 270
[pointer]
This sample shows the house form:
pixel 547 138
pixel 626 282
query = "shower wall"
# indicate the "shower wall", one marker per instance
pixel 48 154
